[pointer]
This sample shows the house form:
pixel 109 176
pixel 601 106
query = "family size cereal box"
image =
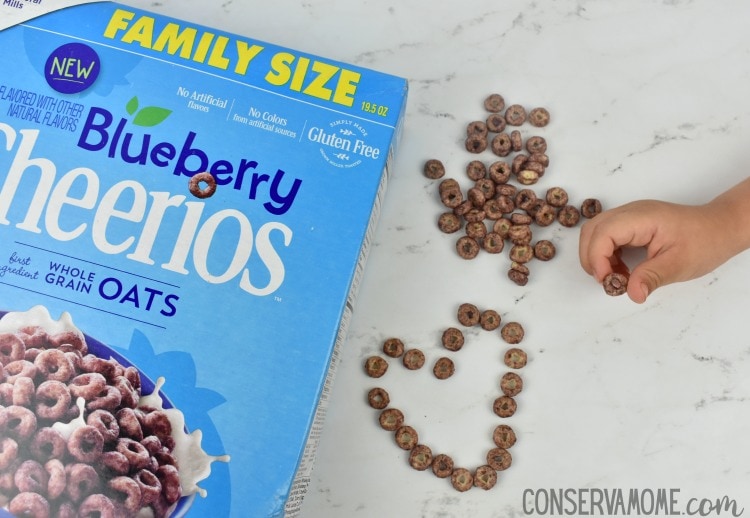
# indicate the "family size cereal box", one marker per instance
pixel 184 218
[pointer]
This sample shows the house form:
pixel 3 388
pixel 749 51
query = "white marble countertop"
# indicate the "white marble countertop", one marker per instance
pixel 648 100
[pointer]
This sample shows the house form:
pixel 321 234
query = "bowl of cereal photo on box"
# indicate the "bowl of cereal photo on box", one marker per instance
pixel 85 433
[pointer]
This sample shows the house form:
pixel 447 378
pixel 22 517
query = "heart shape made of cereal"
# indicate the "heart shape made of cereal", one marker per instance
pixel 390 418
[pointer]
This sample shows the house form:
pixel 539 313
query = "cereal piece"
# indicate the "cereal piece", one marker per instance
pixel 493 209
pixel 516 141
pixel 545 215
pixel 521 253
pixel 476 230
pixel 468 315
pixel 515 358
pixel 539 117
pixel 202 185
pixel 511 384
pixel 520 278
pixel 495 123
pixel 463 208
pixel 476 197
pixel 615 284
pixel 489 320
pixel 476 144
pixel 568 216
pixel 376 366
pixel 30 504
pixel 494 103
pixel 512 333
pixel 442 465
pixel 527 177
pixel 505 203
pixel 504 436
pixel 86 444
pixel 516 165
pixel 499 458
pixel 476 128
pixel 96 505
pixel 504 406
pixel 539 158
pixel 499 172
pixel 413 359
pixel 520 220
pixel 590 207
pixel 508 190
pixel 20 423
pixel 391 419
pixel 485 477
pixel 434 169
pixel 525 198
pixel 493 243
pixel 448 184
pixel 378 398
pixel 444 368
pixel 448 222
pixel 557 197
pixel 420 457
pixel 474 215
pixel 476 170
pixel 515 115
pixel 451 198
pixel 500 144
pixel 12 348
pixel 520 233
pixel 538 168
pixel 462 479
pixel 406 437
pixel 393 347
pixel 502 227
pixel 52 400
pixel 467 247
pixel 487 186
pixel 453 339
pixel 544 250
pixel 536 144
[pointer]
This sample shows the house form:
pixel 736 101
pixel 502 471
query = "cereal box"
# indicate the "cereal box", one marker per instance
pixel 184 217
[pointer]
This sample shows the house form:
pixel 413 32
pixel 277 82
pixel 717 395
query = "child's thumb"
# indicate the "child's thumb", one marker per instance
pixel 650 275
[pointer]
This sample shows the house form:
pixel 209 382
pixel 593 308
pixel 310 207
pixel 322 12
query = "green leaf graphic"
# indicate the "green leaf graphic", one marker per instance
pixel 151 116
pixel 132 105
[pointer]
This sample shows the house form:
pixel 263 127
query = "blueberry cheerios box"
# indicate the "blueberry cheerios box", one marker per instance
pixel 184 218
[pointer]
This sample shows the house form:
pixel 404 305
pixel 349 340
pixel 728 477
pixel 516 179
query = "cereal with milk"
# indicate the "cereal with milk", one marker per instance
pixel 77 434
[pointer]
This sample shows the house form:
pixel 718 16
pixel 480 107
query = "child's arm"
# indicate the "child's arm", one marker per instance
pixel 682 242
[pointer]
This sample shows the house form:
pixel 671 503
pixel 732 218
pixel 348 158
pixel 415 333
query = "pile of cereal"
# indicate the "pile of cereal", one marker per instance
pixel 74 441
pixel 493 211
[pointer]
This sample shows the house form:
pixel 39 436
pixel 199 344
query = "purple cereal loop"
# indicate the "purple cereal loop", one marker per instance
pixel 53 364
pixel 20 369
pixel 130 425
pixel 29 504
pixel 106 423
pixel 12 348
pixel 73 338
pixel 57 478
pixel 149 485
pixel 170 483
pixel 31 477
pixel 88 385
pixel 48 444
pixel 52 400
pixel 8 452
pixel 18 422
pixel 97 506
pixel 83 480
pixel 126 492
pixel 137 454
pixel 23 392
pixel 86 444
pixel 109 399
pixel 115 462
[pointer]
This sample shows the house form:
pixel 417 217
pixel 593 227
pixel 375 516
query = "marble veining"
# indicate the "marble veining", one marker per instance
pixel 649 100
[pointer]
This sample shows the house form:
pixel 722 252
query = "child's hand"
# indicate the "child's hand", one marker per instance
pixel 682 242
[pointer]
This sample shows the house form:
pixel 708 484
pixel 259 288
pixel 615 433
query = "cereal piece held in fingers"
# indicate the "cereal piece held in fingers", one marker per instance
pixel 615 284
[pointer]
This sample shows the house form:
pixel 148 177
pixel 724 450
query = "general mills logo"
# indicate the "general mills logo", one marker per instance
pixel 343 143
